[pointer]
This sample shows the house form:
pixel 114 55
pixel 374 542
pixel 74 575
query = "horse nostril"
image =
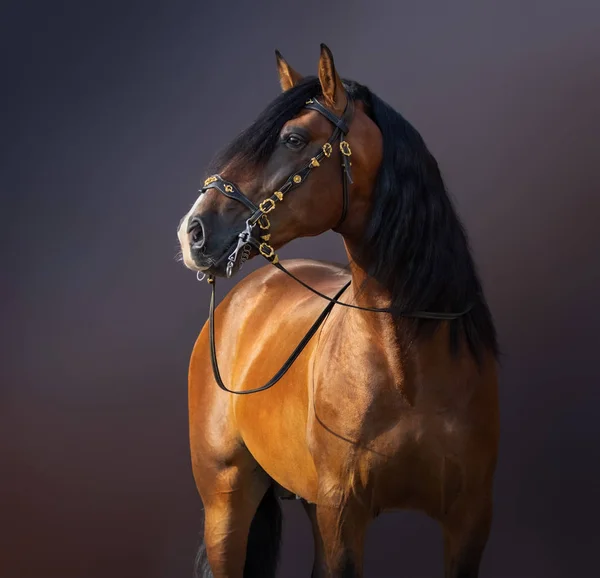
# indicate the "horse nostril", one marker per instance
pixel 196 232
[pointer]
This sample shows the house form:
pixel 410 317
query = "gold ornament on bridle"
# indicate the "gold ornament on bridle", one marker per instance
pixel 270 203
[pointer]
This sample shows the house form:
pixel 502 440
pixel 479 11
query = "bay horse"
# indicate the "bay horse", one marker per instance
pixel 384 372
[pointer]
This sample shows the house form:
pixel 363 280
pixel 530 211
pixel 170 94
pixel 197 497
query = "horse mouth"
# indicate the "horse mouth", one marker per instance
pixel 226 267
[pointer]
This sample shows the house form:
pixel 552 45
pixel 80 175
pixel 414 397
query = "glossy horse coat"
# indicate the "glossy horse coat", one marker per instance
pixel 380 411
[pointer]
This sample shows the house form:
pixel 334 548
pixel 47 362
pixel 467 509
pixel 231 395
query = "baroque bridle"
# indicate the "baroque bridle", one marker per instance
pixel 259 216
pixel 246 240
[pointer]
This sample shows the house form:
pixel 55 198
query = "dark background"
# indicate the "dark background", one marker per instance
pixel 111 112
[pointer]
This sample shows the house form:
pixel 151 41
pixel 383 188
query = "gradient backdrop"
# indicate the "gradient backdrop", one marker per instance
pixel 111 112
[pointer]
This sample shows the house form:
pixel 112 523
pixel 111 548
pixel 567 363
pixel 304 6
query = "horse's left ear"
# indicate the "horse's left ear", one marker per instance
pixel 331 83
pixel 288 77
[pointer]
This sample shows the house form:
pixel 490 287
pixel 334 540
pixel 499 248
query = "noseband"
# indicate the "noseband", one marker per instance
pixel 259 217
pixel 259 214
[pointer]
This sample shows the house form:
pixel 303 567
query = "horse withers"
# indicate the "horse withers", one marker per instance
pixel 359 389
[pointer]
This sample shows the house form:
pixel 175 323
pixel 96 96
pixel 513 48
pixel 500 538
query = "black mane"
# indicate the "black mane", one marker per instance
pixel 415 244
pixel 256 144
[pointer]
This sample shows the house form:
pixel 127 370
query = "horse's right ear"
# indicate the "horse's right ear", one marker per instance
pixel 288 77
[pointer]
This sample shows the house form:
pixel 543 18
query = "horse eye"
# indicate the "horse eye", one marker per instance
pixel 295 142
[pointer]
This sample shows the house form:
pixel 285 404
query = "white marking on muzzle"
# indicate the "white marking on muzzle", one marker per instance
pixel 183 236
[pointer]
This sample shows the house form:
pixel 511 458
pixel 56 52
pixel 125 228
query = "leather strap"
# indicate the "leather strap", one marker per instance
pixel 309 334
pixel 289 185
pixel 290 360
pixel 229 190
pixel 441 316
pixel 340 123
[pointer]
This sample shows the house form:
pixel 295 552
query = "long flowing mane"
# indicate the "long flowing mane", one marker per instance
pixel 415 245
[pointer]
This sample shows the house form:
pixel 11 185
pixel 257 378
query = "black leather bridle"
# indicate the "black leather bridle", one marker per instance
pixel 259 214
pixel 246 241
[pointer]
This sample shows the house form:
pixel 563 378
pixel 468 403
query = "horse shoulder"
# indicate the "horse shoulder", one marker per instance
pixel 257 326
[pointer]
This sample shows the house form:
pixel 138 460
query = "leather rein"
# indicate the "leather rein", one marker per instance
pixel 246 241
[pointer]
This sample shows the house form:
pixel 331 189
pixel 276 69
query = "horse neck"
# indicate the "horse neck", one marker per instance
pixel 367 291
pixel 380 328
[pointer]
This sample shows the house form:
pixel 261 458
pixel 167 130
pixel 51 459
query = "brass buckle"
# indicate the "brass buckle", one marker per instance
pixel 345 148
pixel 266 250
pixel 327 148
pixel 267 205
pixel 263 222
pixel 314 162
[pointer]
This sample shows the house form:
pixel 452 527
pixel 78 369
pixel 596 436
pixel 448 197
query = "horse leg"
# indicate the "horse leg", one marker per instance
pixel 339 534
pixel 466 529
pixel 241 515
pixel 319 565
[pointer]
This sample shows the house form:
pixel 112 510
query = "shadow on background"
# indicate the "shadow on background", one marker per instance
pixel 112 112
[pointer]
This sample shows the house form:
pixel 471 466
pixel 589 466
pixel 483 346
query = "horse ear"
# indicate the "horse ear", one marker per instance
pixel 288 77
pixel 331 84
